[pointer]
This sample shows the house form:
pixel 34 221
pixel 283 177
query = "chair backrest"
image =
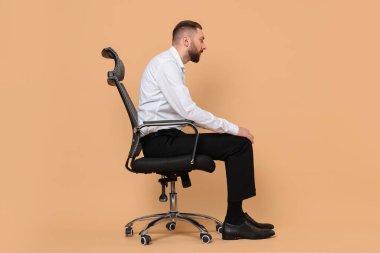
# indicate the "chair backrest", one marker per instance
pixel 114 78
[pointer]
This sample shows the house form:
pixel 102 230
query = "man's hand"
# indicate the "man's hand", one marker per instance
pixel 244 132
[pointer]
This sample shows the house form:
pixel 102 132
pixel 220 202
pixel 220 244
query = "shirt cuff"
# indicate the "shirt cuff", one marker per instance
pixel 233 129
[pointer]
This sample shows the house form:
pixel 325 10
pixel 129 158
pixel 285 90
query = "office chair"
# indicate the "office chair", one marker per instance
pixel 170 168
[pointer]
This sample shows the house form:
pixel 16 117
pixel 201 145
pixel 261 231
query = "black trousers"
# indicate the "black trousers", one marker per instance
pixel 235 151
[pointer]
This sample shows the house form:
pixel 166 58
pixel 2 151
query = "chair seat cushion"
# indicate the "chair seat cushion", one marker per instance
pixel 173 164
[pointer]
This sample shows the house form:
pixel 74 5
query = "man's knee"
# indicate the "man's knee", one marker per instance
pixel 241 141
pixel 238 143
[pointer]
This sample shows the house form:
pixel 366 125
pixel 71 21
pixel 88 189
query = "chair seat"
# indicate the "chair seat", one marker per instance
pixel 173 164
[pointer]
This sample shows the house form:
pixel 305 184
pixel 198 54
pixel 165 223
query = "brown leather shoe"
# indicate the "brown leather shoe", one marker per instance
pixel 244 231
pixel 258 224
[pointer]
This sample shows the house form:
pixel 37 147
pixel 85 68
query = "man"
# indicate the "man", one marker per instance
pixel 164 96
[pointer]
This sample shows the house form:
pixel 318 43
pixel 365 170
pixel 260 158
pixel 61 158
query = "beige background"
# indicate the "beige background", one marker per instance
pixel 301 75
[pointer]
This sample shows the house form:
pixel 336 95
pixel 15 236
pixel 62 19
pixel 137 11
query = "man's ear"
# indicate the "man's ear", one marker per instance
pixel 186 41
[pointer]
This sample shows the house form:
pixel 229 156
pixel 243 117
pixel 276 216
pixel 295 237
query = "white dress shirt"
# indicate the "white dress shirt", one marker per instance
pixel 165 96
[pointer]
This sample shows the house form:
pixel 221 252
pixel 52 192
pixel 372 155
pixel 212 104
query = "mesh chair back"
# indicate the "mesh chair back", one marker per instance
pixel 114 78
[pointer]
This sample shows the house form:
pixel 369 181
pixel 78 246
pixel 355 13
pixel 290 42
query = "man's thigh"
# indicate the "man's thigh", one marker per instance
pixel 217 146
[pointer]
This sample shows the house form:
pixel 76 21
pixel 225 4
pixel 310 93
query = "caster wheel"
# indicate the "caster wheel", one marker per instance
pixel 170 225
pixel 206 238
pixel 219 229
pixel 128 231
pixel 145 239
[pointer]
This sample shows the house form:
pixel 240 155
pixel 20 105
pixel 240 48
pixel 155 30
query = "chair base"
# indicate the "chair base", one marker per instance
pixel 173 217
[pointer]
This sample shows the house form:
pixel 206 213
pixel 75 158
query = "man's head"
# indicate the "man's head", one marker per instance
pixel 188 36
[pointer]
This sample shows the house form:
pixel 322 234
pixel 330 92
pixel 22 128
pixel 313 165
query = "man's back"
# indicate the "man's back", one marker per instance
pixel 153 105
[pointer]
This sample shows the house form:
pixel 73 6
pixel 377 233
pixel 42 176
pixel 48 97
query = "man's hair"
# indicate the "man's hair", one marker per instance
pixel 182 26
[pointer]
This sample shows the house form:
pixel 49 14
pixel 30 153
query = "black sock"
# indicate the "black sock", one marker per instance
pixel 234 214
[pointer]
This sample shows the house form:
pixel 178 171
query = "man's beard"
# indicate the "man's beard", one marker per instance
pixel 194 54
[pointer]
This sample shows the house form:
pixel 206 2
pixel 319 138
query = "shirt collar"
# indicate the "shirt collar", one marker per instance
pixel 178 59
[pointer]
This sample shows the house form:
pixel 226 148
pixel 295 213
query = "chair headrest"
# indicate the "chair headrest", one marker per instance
pixel 119 70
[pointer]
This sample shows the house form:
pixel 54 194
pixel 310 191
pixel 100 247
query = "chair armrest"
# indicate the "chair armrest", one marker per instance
pixel 169 122
pixel 174 123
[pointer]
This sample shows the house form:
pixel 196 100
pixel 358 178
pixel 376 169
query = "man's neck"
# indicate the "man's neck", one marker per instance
pixel 182 53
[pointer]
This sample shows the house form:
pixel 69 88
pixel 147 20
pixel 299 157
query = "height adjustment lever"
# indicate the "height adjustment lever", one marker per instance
pixel 164 183
pixel 163 197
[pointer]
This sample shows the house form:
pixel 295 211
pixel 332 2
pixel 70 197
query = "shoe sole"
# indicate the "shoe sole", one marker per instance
pixel 233 237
